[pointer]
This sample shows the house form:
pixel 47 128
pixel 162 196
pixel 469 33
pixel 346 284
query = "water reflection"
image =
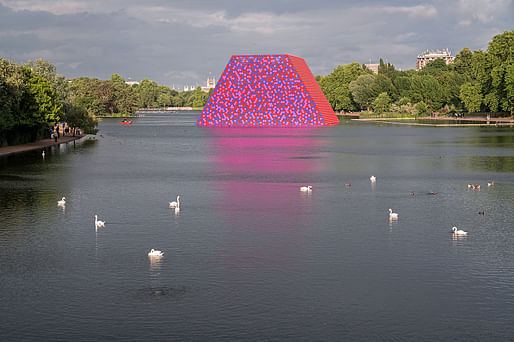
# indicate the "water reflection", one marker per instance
pixel 155 262
pixel 261 172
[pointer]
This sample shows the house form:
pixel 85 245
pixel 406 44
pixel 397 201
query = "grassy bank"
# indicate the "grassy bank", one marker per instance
pixel 116 115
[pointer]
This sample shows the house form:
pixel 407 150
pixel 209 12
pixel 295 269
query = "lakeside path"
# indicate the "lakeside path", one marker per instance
pixel 396 121
pixel 37 145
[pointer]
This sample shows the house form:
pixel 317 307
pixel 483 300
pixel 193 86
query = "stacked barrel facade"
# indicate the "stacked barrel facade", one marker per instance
pixel 267 90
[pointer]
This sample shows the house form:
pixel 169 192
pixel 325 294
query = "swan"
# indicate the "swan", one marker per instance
pixel 62 202
pixel 153 252
pixel 175 204
pixel 306 188
pixel 392 216
pixel 373 179
pixel 99 223
pixel 459 232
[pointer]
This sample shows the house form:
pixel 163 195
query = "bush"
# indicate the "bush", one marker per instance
pixel 421 108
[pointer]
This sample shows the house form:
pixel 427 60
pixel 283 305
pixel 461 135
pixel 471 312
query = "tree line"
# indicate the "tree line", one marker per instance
pixel 478 81
pixel 33 97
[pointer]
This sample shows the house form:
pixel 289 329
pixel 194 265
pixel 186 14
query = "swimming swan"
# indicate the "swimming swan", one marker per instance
pixel 62 202
pixel 459 232
pixel 99 223
pixel 153 252
pixel 373 179
pixel 392 216
pixel 175 204
pixel 306 188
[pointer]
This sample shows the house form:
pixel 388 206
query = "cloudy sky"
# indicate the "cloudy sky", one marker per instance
pixel 182 42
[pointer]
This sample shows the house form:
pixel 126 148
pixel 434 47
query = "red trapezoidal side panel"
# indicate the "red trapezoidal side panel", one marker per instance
pixel 267 90
pixel 325 109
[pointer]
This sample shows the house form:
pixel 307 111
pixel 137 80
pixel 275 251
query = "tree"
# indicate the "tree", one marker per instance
pixel 462 62
pixel 335 86
pixel 125 99
pixel 105 96
pixel 471 96
pixel 421 108
pixel 386 69
pixel 450 82
pixel 425 88
pixel 381 103
pixel 147 92
pixel 79 117
pixel 383 84
pixel 434 67
pixel 362 90
pixel 40 106
pixel 500 62
pixel 47 70
pixel 403 86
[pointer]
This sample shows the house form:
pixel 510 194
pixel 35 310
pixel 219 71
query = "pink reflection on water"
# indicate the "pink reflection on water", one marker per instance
pixel 261 171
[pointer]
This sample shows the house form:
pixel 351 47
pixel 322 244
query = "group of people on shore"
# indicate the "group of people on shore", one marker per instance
pixel 55 131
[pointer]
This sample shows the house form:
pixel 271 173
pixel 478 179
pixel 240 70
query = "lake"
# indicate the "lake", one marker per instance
pixel 249 256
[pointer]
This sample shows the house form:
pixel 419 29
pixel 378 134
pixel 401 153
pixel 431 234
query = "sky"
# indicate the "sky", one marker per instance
pixel 183 42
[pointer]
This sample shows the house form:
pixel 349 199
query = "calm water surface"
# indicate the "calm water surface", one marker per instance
pixel 249 257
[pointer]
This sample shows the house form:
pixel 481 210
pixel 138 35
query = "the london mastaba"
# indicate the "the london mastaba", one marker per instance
pixel 267 90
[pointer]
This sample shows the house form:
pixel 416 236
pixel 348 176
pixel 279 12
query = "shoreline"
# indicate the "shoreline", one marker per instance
pixel 40 144
pixel 493 122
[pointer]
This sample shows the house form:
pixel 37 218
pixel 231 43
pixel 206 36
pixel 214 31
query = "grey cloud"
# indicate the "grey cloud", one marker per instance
pixel 183 42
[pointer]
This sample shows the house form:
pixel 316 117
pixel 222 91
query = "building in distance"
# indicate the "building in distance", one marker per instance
pixel 372 67
pixel 131 82
pixel 210 84
pixel 429 56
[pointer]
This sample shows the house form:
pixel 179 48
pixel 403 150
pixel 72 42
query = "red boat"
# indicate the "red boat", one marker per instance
pixel 125 122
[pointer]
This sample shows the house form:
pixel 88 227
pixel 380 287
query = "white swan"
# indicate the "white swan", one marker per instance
pixel 459 232
pixel 99 223
pixel 175 204
pixel 306 188
pixel 153 252
pixel 392 216
pixel 62 202
pixel 373 179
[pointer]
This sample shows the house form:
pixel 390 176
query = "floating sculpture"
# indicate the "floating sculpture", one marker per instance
pixel 267 90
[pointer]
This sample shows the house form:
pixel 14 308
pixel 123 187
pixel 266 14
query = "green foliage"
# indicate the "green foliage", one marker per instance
pixel 28 104
pixel 471 96
pixel 386 70
pixel 425 88
pixel 435 67
pixel 79 117
pixel 41 105
pixel 363 90
pixel 500 64
pixel 476 80
pixel 335 86
pixel 421 108
pixel 381 103
pixel 462 62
